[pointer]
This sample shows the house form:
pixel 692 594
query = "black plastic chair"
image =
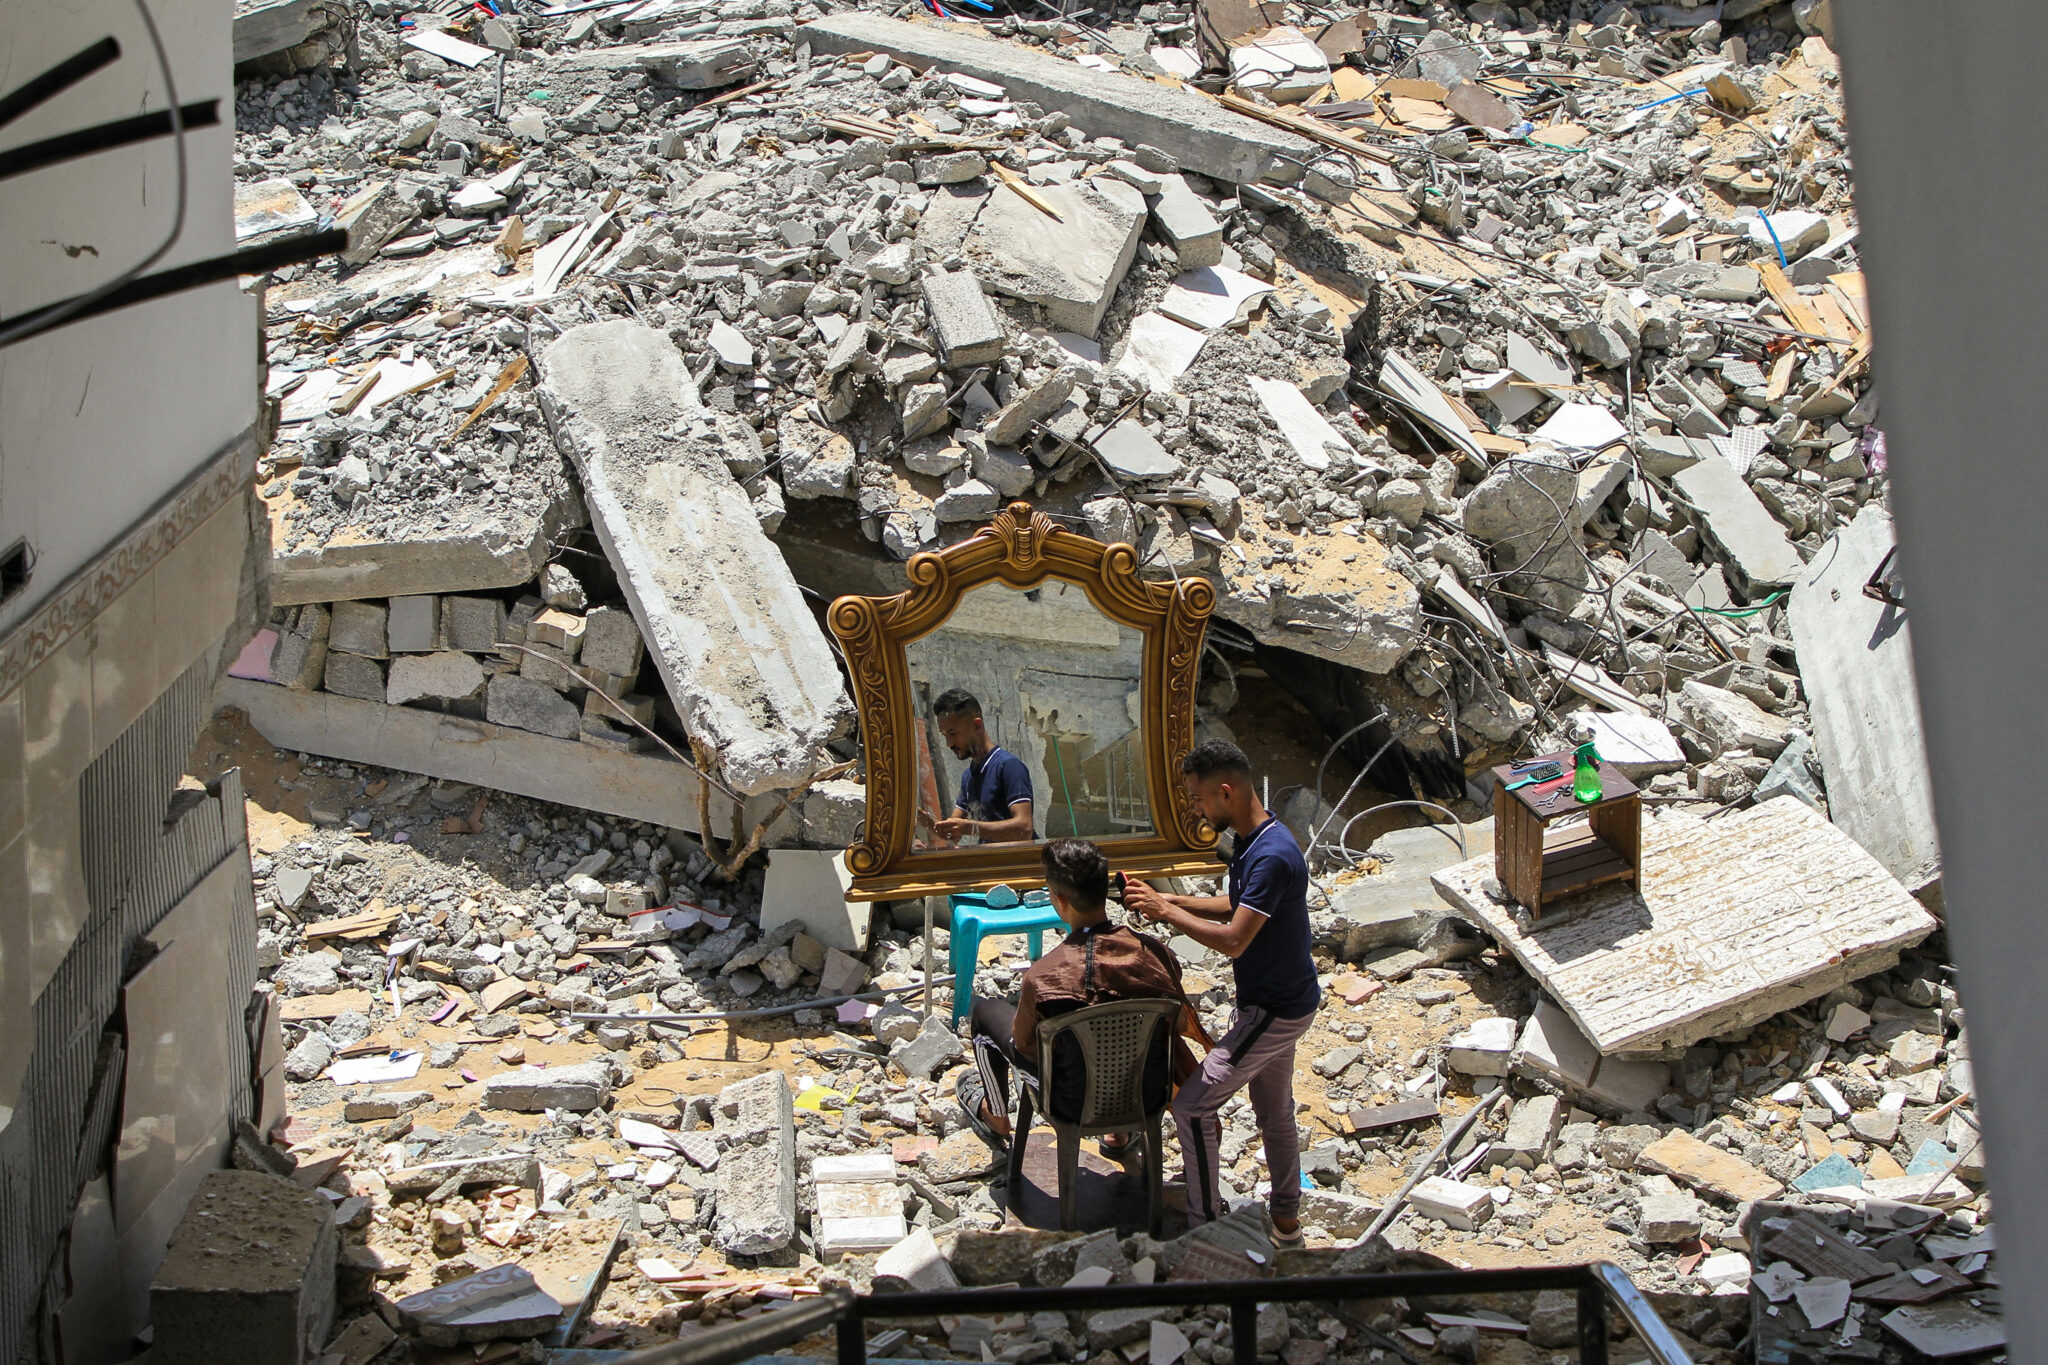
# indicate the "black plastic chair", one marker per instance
pixel 1115 1040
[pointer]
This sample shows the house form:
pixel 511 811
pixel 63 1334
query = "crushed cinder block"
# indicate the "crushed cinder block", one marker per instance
pixel 249 1272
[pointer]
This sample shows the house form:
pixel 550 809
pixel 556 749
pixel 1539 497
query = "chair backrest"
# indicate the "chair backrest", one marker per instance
pixel 1115 1039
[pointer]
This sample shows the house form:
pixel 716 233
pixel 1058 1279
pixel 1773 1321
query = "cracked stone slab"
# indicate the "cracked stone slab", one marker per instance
pixel 732 638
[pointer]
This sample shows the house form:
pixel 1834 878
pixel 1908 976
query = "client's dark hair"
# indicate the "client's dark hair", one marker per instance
pixel 1216 758
pixel 956 702
pixel 1078 869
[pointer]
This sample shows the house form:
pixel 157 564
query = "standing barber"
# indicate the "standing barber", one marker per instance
pixel 1262 925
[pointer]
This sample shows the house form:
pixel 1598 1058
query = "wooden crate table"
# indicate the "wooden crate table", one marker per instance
pixel 1540 861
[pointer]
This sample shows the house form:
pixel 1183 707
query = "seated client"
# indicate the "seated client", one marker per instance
pixel 1099 961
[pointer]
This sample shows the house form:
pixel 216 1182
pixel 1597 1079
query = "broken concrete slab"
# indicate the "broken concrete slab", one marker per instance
pixel 732 638
pixel 1394 905
pixel 1159 350
pixel 503 550
pixel 1356 610
pixel 1197 133
pixel 1856 668
pixel 579 1087
pixel 696 64
pixel 637 786
pixel 1755 544
pixel 1689 1161
pixel 809 886
pixel 755 1125
pixel 1726 720
pixel 492 1305
pixel 1186 223
pixel 913 1264
pixel 1743 916
pixel 249 1272
pixel 296 35
pixel 1070 267
pixel 1303 426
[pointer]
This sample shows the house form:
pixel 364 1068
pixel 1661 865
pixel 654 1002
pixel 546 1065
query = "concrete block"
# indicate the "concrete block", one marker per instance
pixel 475 624
pixel 446 676
pixel 963 321
pixel 1071 267
pixel 754 1122
pixel 744 660
pixel 527 705
pixel 1482 1048
pixel 557 629
pixel 248 1274
pixel 1691 1162
pixel 914 1264
pixel 1452 1202
pixel 1187 225
pixel 1196 133
pixel 550 668
pixel 842 974
pixel 1531 1129
pixel 611 642
pixel 1728 720
pixel 359 628
pixel 372 216
pixel 299 658
pixel 581 1087
pixel 809 886
pixel 1668 1218
pixel 414 625
pixel 352 675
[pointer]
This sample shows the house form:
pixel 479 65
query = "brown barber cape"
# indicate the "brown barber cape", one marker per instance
pixel 1094 966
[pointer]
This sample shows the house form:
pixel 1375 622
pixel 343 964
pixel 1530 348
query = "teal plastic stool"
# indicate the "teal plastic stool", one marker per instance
pixel 975 919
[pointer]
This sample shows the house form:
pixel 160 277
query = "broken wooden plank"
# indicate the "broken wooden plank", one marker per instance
pixel 1736 919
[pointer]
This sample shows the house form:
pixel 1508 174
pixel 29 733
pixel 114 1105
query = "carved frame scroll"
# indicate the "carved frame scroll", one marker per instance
pixel 1020 549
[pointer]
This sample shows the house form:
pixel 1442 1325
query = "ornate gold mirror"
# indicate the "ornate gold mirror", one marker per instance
pixel 1026 660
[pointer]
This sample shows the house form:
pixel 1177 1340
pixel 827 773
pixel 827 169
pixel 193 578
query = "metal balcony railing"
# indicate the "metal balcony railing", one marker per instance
pixel 1596 1284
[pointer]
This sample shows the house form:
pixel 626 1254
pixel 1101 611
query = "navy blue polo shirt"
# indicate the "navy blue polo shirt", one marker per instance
pixel 988 789
pixel 1268 873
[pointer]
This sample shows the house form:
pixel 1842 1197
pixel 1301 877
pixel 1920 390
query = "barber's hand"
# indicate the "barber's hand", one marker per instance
pixel 1144 899
pixel 953 829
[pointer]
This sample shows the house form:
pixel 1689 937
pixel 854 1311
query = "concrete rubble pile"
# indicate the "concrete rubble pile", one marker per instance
pixel 910 279
pixel 1510 361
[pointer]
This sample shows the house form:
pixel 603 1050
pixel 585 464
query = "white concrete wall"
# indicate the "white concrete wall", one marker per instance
pixel 101 420
pixel 1942 113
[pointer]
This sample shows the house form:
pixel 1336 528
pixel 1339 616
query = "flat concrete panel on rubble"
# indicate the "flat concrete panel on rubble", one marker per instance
pixel 1856 665
pixel 1737 919
pixel 739 651
pixel 502 549
pixel 1200 134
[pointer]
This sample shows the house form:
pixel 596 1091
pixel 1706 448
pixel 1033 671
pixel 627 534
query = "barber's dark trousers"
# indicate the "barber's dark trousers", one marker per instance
pixel 1257 1054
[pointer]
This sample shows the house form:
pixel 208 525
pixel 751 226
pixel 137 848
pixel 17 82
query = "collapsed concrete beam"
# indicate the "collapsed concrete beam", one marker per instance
pixel 1856 664
pixel 637 786
pixel 1198 133
pixel 279 28
pixel 742 657
pixel 498 552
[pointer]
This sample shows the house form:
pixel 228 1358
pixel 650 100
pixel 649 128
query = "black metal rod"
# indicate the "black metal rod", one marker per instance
pixel 1244 1333
pixel 63 75
pixel 853 1340
pixel 256 260
pixel 1293 1289
pixel 1592 1324
pixel 102 137
pixel 755 1336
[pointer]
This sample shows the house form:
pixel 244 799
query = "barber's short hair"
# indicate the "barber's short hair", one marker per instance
pixel 956 701
pixel 1216 758
pixel 1077 868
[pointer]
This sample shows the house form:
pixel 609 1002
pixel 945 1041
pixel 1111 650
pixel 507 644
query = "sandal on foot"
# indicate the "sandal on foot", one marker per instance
pixel 1288 1241
pixel 969 1095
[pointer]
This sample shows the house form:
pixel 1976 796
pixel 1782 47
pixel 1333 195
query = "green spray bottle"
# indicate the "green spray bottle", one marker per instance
pixel 1586 777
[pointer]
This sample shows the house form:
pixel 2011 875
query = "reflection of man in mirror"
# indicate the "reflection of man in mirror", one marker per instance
pixel 995 787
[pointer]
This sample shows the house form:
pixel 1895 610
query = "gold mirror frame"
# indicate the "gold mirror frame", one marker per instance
pixel 1020 549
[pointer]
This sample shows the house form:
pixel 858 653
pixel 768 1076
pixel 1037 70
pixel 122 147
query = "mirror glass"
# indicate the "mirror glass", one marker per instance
pixel 1057 687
